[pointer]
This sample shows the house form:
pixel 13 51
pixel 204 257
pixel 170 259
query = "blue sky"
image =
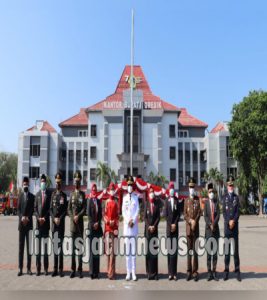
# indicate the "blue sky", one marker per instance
pixel 57 56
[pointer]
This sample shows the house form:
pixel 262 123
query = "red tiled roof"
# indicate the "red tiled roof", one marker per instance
pixel 187 120
pixel 80 119
pixel 46 127
pixel 115 101
pixel 221 126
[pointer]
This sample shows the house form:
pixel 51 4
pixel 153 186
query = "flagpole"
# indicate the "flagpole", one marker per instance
pixel 131 94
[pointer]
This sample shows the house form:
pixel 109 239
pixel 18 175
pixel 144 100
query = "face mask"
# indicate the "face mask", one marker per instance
pixel 171 192
pixel 191 192
pixel 211 195
pixel 43 186
pixel 130 189
pixel 26 189
pixel 111 193
pixel 151 195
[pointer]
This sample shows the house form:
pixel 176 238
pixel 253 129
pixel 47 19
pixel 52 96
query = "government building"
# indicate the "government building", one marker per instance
pixel 166 139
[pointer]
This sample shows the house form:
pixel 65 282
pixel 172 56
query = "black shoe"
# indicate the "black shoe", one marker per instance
pixel 156 278
pixel 61 273
pixel 80 274
pixel 55 273
pixel 175 278
pixel 170 277
pixel 226 276
pixel 29 272
pixel 20 273
pixel 215 277
pixel 72 274
pixel 189 276
pixel 195 276
pixel 238 276
pixel 38 273
pixel 210 277
pixel 46 272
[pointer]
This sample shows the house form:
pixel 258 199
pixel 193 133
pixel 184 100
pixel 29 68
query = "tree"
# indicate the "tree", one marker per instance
pixel 8 170
pixel 248 131
pixel 105 175
pixel 216 177
pixel 157 179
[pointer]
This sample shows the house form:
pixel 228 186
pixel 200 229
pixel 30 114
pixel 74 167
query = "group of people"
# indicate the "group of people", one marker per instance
pixel 55 205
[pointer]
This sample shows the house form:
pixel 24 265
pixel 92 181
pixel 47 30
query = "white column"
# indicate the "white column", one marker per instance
pixel 198 162
pixel 74 157
pixel 184 163
pixel 82 161
pixel 67 163
pixel 191 159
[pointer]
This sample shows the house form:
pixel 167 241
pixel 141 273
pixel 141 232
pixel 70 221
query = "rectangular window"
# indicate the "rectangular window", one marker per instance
pixel 92 174
pixel 71 177
pixel 71 155
pixel 203 156
pixel 172 131
pixel 85 155
pixel 35 150
pixel 78 156
pixel 85 177
pixel 93 152
pixel 172 174
pixel 172 152
pixel 82 133
pixel 228 148
pixel 34 172
pixel 183 133
pixel 93 130
pixel 63 155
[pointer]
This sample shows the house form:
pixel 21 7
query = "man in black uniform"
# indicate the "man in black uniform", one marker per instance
pixel 58 210
pixel 42 213
pixel 25 212
pixel 231 216
pixel 76 210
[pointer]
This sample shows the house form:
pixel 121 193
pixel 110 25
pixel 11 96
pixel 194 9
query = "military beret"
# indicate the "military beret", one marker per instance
pixel 230 180
pixel 43 177
pixel 77 176
pixel 25 180
pixel 130 180
pixel 210 186
pixel 58 177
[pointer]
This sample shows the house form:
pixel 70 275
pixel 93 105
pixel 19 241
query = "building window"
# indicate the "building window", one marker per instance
pixel 78 156
pixel 63 155
pixel 232 171
pixel 172 153
pixel 203 156
pixel 92 174
pixel 34 172
pixel 93 152
pixel 85 177
pixel 195 156
pixel 183 133
pixel 85 155
pixel 172 131
pixel 93 130
pixel 71 155
pixel 228 148
pixel 35 150
pixel 82 133
pixel 172 174
pixel 71 174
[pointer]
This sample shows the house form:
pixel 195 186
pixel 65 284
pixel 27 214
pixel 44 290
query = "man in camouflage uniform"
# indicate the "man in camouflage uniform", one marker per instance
pixel 58 210
pixel 192 213
pixel 76 210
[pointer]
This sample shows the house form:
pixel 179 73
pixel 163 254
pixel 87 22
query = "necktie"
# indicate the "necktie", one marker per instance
pixel 212 212
pixel 43 199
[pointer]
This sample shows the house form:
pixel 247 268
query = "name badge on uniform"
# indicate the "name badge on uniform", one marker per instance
pixel 61 200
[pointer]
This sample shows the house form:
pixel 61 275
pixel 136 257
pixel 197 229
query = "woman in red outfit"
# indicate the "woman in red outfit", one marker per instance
pixel 111 219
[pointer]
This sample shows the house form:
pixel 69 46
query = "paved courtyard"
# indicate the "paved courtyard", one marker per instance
pixel 253 257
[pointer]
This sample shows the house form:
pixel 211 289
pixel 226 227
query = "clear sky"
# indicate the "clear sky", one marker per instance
pixel 57 56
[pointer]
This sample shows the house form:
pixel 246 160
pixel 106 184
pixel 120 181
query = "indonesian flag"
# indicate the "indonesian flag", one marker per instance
pixel 11 186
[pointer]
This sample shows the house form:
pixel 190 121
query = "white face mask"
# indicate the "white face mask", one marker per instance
pixel 111 193
pixel 130 189
pixel 151 195
pixel 171 192
pixel 211 196
pixel 191 192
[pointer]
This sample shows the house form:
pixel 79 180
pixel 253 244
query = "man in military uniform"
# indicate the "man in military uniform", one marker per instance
pixel 76 210
pixel 192 213
pixel 58 210
pixel 25 212
pixel 212 231
pixel 231 216
pixel 42 213
pixel 130 213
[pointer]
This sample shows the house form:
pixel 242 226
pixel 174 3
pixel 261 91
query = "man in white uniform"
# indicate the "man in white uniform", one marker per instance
pixel 130 211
